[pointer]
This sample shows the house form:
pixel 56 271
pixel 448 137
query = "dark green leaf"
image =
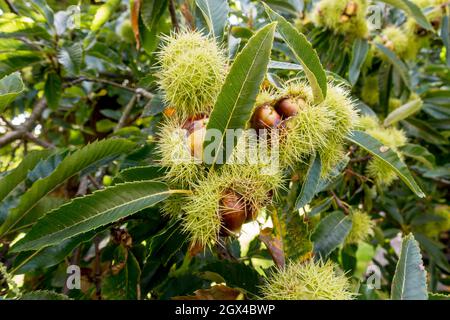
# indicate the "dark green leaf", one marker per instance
pixel 388 156
pixel 409 282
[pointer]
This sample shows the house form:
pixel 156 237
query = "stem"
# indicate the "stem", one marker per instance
pixel 173 16
pixel 126 113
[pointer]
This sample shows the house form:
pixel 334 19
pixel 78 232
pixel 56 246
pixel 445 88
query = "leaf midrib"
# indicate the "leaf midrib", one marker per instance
pixel 235 103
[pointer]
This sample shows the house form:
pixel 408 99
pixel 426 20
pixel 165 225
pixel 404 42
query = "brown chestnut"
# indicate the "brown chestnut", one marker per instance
pixel 265 117
pixel 288 108
pixel 232 212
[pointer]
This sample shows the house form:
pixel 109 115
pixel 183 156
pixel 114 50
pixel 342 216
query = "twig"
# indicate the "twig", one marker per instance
pixel 362 159
pixel 339 203
pixel 94 182
pixel 11 7
pixel 139 91
pixel 38 141
pixel 126 113
pixel 29 124
pixel 173 16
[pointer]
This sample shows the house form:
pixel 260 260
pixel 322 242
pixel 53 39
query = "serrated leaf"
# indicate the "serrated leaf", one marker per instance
pixel 10 87
pixel 49 256
pixel 359 54
pixel 43 295
pixel 409 282
pixel 237 97
pixel 387 156
pixel 398 64
pixel 411 9
pixel 403 112
pixel 309 186
pixel 150 172
pixel 215 13
pixel 19 174
pixel 304 53
pixel 330 233
pixel 71 57
pixel 92 211
pixel 70 166
pixel 53 90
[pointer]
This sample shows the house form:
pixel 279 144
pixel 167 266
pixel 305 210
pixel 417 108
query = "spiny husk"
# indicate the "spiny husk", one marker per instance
pixel 183 168
pixel 328 14
pixel 362 227
pixel 392 138
pixel 306 132
pixel 345 119
pixel 307 281
pixel 202 219
pixel 399 41
pixel 192 71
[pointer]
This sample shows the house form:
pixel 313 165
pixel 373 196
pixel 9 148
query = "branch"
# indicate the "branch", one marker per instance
pixel 173 16
pixel 24 131
pixel 139 91
pixel 126 113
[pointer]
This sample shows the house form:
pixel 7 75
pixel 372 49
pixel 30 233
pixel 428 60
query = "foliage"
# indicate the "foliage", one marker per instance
pixel 106 110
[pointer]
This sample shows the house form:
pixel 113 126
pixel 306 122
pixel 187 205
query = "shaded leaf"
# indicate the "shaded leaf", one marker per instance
pixel 330 233
pixel 359 54
pixel 309 186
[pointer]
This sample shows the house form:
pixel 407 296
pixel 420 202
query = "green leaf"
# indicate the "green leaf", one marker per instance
pixel 411 9
pixel 215 13
pixel 419 153
pixel 150 172
pixel 309 186
pixel 151 12
pixel 43 8
pixel 304 53
pixel 409 282
pixel 124 285
pixel 388 156
pixel 71 57
pixel 43 295
pixel 330 233
pixel 14 61
pixel 403 112
pixel 10 87
pixel 359 54
pixel 84 158
pixel 53 90
pixel 103 14
pixel 50 256
pixel 19 174
pixel 398 64
pixel 92 211
pixel 237 97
